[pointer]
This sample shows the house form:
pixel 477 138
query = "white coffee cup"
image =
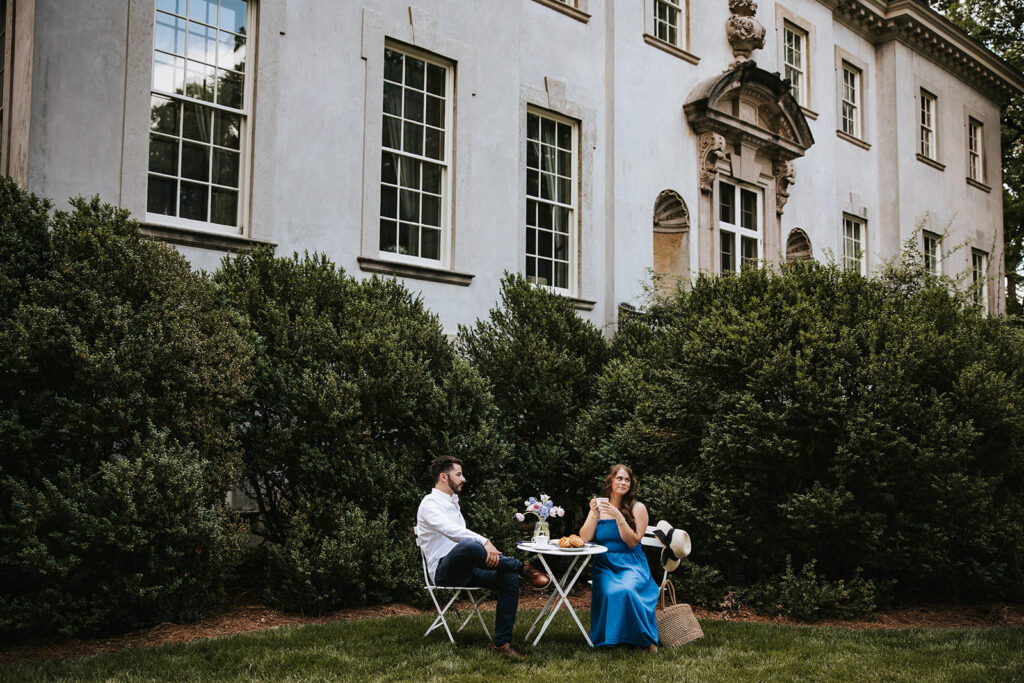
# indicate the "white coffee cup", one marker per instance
pixel 599 502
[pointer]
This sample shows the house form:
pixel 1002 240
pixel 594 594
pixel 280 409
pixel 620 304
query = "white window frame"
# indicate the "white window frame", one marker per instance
pixel 928 125
pixel 573 220
pixel 734 228
pixel 975 150
pixel 979 273
pixel 851 100
pixel 854 244
pixel 931 252
pixel 244 137
pixel 789 66
pixel 663 27
pixel 445 238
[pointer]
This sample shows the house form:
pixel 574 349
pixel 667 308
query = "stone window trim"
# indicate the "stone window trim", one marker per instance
pixel 845 59
pixel 136 133
pixel 926 87
pixel 650 36
pixel 932 261
pixel 981 180
pixel 553 100
pixel 203 240
pixel 577 9
pixel 413 31
pixel 783 17
pixel 979 273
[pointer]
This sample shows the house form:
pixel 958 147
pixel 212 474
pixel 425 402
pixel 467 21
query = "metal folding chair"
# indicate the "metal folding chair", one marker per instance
pixel 471 592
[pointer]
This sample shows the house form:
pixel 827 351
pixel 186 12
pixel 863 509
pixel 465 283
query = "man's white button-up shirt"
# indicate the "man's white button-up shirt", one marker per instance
pixel 440 526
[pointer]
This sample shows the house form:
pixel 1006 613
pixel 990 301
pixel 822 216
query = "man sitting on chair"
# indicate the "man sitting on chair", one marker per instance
pixel 457 556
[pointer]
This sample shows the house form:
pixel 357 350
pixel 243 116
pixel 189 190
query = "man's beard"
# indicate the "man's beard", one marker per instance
pixel 456 488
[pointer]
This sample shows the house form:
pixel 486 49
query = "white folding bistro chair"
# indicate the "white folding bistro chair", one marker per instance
pixel 471 592
pixel 651 541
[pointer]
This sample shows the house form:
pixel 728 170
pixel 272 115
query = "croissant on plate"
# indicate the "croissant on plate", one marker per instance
pixel 571 541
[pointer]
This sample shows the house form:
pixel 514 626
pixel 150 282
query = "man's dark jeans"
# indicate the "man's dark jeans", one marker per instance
pixel 466 565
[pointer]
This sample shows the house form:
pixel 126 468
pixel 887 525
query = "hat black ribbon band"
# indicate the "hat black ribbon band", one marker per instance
pixel 666 540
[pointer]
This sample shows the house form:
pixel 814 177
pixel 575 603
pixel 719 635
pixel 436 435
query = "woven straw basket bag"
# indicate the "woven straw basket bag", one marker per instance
pixel 676 623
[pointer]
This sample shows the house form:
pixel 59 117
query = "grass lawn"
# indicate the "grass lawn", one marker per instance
pixel 392 649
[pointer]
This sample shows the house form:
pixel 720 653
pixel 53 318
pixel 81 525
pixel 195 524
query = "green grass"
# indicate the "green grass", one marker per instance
pixel 394 649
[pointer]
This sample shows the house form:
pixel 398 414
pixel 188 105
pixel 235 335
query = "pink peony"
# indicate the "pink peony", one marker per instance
pixel 520 517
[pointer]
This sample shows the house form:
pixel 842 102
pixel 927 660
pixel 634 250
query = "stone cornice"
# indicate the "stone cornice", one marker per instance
pixel 915 24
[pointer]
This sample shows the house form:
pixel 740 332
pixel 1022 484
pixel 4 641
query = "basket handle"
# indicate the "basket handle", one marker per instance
pixel 667 592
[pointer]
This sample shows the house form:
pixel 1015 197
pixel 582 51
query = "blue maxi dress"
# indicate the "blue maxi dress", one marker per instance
pixel 624 595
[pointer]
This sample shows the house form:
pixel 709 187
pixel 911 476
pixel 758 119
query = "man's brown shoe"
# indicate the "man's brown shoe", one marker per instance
pixel 535 578
pixel 506 650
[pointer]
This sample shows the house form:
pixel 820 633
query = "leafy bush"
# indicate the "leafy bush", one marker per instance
pixel 846 422
pixel 356 390
pixel 118 375
pixel 541 360
pixel 808 596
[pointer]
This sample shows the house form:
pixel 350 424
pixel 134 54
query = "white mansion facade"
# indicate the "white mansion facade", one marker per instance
pixel 581 142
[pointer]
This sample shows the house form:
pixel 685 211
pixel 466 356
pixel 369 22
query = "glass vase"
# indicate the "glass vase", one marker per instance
pixel 541 532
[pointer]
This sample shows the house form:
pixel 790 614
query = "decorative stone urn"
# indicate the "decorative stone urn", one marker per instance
pixel 745 33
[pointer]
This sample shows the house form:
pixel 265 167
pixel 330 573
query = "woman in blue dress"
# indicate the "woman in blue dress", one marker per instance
pixel 624 594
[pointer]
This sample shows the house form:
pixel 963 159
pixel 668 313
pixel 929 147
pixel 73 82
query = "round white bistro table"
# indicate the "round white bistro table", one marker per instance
pixel 581 557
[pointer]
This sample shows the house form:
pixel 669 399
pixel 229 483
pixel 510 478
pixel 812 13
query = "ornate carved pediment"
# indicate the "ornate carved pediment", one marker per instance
pixel 749 107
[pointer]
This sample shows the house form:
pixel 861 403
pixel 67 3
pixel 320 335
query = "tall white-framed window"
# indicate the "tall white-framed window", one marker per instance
pixel 551 199
pixel 979 277
pixel 199 113
pixel 932 252
pixel 850 115
pixel 669 21
pixel 415 175
pixel 740 226
pixel 794 58
pixel 928 125
pixel 854 240
pixel 975 150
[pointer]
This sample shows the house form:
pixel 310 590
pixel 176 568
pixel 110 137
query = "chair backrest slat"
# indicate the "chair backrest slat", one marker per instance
pixel 423 559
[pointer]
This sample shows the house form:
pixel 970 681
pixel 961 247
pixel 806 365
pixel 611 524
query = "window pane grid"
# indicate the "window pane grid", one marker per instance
pixel 853 245
pixel 793 61
pixel 927 125
pixel 414 164
pixel 739 218
pixel 197 110
pixel 550 203
pixel 974 149
pixel 978 279
pixel 932 253
pixel 667 21
pixel 850 108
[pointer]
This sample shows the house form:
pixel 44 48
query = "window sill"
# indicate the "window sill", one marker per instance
pixel 204 240
pixel 582 304
pixel 416 272
pixel 812 115
pixel 978 184
pixel 577 14
pixel 856 141
pixel 931 162
pixel 679 52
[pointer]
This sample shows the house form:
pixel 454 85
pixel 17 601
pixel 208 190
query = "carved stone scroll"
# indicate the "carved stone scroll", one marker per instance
pixel 712 150
pixel 785 174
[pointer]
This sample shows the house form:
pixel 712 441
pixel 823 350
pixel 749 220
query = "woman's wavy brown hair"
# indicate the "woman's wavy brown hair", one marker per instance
pixel 626 506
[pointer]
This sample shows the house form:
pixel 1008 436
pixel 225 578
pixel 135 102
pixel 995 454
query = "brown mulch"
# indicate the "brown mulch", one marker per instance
pixel 244 617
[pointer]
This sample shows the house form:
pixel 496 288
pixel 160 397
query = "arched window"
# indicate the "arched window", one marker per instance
pixel 671 241
pixel 798 246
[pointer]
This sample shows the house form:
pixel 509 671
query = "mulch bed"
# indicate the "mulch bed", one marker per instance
pixel 245 616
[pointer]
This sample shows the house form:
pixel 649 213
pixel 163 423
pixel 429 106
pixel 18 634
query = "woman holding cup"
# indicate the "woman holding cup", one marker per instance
pixel 624 594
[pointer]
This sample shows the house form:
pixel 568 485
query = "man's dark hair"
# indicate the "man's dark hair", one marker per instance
pixel 443 464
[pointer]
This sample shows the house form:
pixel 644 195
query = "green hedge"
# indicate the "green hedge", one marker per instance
pixel 119 371
pixel 859 429
pixel 356 390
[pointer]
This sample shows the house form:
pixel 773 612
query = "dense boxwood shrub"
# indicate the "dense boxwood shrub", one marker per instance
pixel 848 423
pixel 118 374
pixel 542 362
pixel 356 390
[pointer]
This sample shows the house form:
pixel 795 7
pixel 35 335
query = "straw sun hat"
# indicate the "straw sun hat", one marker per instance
pixel 676 542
